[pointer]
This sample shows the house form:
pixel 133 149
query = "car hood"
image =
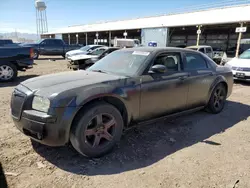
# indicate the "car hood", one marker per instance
pixel 236 62
pixel 75 52
pixel 53 84
pixel 82 56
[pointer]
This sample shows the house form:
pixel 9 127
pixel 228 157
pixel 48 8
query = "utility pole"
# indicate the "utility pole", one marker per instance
pixel 198 34
pixel 238 42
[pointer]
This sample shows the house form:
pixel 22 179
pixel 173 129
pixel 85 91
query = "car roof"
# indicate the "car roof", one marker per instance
pixel 157 49
pixel 199 46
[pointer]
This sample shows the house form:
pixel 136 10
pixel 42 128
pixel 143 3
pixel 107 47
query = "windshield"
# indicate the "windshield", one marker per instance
pixel 98 51
pixel 245 55
pixel 121 62
pixel 85 48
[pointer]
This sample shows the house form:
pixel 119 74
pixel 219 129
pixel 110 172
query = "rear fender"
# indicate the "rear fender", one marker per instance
pixel 219 79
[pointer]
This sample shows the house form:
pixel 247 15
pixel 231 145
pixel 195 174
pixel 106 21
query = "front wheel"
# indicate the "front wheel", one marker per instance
pixel 8 72
pixel 96 130
pixel 217 100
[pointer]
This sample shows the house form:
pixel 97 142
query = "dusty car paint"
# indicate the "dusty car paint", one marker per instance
pixel 144 96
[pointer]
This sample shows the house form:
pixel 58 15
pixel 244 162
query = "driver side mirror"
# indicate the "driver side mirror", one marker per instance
pixel 157 69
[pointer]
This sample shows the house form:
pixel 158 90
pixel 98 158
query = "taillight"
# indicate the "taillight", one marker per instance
pixel 32 54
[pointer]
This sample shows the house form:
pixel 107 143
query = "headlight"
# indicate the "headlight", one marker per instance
pixel 41 104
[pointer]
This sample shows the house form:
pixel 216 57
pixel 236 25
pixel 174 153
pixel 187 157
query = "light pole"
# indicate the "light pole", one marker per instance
pixel 97 35
pixel 125 34
pixel 77 40
pixel 239 38
pixel 69 38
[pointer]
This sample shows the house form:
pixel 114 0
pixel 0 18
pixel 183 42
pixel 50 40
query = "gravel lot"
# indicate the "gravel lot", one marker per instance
pixel 197 150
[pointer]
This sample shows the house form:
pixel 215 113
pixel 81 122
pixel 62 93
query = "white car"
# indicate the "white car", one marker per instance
pixel 241 66
pixel 88 55
pixel 82 50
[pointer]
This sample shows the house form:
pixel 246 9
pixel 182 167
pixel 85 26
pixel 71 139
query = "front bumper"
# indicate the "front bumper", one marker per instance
pixel 244 75
pixel 73 66
pixel 41 127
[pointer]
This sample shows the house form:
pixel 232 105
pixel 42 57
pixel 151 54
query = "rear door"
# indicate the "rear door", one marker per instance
pixel 58 47
pixel 200 80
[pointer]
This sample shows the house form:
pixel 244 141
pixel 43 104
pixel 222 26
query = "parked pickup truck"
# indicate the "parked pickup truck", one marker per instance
pixel 216 54
pixel 13 59
pixel 51 47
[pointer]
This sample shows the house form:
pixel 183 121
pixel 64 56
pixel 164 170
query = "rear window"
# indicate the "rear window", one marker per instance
pixel 208 50
pixel 202 50
pixel 195 62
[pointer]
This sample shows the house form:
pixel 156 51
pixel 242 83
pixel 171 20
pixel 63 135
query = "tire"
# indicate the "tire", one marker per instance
pixel 96 129
pixel 63 56
pixel 36 54
pixel 217 99
pixel 8 72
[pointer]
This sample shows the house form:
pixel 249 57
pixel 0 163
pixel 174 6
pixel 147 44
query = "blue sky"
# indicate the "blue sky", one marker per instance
pixel 20 14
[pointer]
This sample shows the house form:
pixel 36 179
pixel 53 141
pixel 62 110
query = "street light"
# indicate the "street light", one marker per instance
pixel 125 34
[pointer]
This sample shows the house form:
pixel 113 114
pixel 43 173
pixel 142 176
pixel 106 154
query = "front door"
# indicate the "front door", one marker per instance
pixel 46 47
pixel 164 93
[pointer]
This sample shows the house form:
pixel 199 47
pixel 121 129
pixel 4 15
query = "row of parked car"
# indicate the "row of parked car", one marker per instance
pixel 19 57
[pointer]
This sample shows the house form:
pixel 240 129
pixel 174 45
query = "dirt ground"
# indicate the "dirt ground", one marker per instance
pixel 200 150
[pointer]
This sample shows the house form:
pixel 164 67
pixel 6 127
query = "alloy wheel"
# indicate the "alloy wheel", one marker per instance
pixel 100 130
pixel 219 97
pixel 6 72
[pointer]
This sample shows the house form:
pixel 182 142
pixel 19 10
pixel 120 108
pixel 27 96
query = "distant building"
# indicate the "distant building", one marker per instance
pixel 217 25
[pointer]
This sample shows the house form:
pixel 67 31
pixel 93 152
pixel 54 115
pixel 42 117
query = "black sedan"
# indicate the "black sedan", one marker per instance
pixel 91 108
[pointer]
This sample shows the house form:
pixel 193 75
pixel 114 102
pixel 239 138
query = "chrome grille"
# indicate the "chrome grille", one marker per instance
pixel 17 101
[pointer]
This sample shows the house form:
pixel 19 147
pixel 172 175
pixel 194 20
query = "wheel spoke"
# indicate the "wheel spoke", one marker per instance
pixel 96 141
pixel 107 136
pixel 218 92
pixel 90 132
pixel 99 120
pixel 109 124
pixel 216 104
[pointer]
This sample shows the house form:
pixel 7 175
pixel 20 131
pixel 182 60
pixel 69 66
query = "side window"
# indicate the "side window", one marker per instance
pixel 57 42
pixel 47 43
pixel 208 50
pixel 195 62
pixel 94 47
pixel 170 60
pixel 202 50
pixel 97 51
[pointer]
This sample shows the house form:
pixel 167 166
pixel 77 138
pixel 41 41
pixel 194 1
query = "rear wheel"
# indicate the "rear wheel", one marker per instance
pixel 217 99
pixel 8 72
pixel 96 130
pixel 36 54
